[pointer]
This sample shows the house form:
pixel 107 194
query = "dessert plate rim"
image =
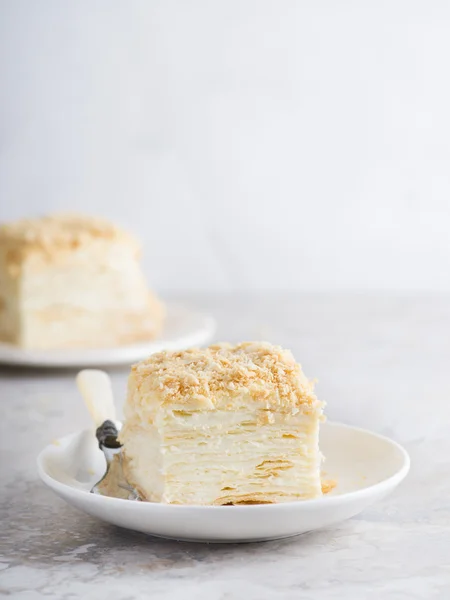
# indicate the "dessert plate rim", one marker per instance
pixel 328 509
pixel 184 328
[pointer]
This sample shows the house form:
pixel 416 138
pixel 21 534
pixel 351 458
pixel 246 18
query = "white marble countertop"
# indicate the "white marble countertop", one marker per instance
pixel 382 363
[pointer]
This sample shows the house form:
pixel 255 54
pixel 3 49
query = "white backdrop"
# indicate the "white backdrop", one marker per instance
pixel 266 144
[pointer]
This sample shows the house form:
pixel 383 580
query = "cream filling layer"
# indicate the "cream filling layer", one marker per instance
pixel 215 457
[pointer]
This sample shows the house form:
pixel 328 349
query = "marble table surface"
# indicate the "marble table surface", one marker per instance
pixel 382 362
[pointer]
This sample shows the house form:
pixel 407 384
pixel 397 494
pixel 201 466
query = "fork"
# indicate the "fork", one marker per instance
pixel 96 390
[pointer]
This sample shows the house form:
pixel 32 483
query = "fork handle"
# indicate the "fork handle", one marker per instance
pixel 95 387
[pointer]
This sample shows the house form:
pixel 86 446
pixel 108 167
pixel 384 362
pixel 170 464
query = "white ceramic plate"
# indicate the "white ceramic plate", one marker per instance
pixel 366 466
pixel 184 328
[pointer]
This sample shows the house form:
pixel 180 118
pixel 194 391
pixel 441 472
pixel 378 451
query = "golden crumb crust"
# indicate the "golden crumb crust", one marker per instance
pixel 50 237
pixel 222 375
pixel 59 229
pixel 328 485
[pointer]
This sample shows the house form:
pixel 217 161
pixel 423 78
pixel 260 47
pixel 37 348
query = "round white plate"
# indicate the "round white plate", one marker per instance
pixel 366 466
pixel 183 328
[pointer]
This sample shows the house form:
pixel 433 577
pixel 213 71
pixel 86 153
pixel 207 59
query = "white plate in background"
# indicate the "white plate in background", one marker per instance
pixel 366 466
pixel 183 328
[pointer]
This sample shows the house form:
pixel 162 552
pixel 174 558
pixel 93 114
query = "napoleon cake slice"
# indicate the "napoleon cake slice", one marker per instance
pixel 223 425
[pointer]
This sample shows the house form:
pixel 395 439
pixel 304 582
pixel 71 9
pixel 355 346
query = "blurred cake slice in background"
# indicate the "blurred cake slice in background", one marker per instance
pixel 223 425
pixel 73 281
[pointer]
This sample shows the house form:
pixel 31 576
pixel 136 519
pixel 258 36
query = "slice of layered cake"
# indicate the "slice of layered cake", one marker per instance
pixel 224 425
pixel 73 281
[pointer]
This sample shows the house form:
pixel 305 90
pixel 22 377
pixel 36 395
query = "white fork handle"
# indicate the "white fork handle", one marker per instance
pixel 95 387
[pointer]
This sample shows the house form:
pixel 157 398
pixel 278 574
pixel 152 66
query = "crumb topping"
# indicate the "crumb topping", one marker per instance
pixel 62 228
pixel 266 372
pixel 50 235
pixel 328 485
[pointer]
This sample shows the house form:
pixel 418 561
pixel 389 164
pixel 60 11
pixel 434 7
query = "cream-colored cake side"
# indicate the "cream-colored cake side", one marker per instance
pixel 9 302
pixel 243 448
pixel 78 285
pixel 85 302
